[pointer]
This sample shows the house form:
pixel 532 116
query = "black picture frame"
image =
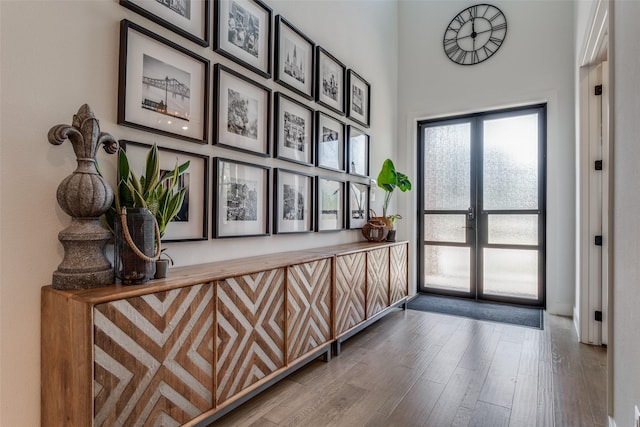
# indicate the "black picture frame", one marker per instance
pixel 294 59
pixel 330 204
pixel 241 199
pixel 253 53
pixel 192 221
pixel 330 81
pixel 146 62
pixel 358 99
pixel 358 148
pixel 248 130
pixel 293 207
pixel 358 204
pixel 191 23
pixel 331 139
pixel 293 130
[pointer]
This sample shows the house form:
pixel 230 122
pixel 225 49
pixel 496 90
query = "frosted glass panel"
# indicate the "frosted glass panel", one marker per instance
pixel 510 163
pixel 447 267
pixel 445 228
pixel 447 160
pixel 513 229
pixel 511 273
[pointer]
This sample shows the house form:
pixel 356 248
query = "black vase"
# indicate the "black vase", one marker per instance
pixel 391 237
pixel 130 268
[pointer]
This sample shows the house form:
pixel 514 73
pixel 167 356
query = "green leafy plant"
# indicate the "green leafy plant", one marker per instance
pixel 160 193
pixel 389 179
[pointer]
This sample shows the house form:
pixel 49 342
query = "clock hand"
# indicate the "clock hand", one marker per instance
pixel 471 35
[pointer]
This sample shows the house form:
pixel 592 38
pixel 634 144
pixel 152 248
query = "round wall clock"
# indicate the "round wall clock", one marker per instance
pixel 475 34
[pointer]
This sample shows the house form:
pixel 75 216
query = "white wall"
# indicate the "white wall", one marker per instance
pixel 57 55
pixel 534 64
pixel 625 34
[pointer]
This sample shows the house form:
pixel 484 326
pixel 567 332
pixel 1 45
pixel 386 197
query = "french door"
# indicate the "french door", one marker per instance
pixel 483 205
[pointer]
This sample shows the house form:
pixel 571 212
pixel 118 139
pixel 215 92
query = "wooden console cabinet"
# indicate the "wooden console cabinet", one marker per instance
pixel 187 349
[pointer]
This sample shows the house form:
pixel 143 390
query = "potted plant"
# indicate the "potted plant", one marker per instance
pixel 389 179
pixel 154 192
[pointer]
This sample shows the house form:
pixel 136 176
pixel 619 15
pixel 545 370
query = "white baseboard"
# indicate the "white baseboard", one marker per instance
pixel 612 422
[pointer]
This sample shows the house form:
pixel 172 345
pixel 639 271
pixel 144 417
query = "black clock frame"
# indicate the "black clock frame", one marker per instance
pixel 461 48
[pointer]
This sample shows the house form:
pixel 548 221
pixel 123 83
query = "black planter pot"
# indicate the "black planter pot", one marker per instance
pixel 391 237
pixel 130 268
pixel 162 267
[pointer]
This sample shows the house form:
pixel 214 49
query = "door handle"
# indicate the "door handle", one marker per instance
pixel 468 228
pixel 471 215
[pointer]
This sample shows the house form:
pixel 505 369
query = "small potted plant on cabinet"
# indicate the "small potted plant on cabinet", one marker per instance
pixel 152 195
pixel 389 179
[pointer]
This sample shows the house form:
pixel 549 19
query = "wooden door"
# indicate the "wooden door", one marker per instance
pixel 152 358
pixel 350 291
pixel 308 307
pixel 249 330
pixel 377 281
pixel 398 273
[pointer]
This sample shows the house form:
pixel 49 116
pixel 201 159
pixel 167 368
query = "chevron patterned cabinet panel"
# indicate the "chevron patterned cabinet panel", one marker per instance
pixel 398 273
pixel 249 331
pixel 308 307
pixel 377 281
pixel 152 358
pixel 350 291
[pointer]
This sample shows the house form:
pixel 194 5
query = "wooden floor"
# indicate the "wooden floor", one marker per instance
pixel 424 369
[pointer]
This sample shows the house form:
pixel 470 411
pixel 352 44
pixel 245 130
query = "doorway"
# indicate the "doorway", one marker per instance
pixel 482 204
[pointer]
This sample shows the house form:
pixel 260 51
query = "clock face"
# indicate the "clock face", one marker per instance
pixel 475 34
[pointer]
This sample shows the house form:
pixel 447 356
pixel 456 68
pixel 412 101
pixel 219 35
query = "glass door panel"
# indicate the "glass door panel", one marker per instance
pixel 510 222
pixel 445 228
pixel 449 251
pixel 512 229
pixel 510 273
pixel 447 167
pixel 448 268
pixel 510 163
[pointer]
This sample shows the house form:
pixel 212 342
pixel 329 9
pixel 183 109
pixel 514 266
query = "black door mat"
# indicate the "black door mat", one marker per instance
pixel 480 310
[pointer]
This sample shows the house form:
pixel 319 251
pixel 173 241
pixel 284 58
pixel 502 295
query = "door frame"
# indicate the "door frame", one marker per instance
pixel 593 282
pixel 595 49
pixel 476 176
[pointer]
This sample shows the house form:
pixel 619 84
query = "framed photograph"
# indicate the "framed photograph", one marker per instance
pixel 330 78
pixel 243 33
pixel 163 88
pixel 358 147
pixel 330 142
pixel 358 213
pixel 293 130
pixel 358 99
pixel 293 204
pixel 189 18
pixel 241 199
pixel 191 222
pixel 294 64
pixel 330 204
pixel 242 113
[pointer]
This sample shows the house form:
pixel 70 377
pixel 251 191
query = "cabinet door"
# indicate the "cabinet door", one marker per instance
pixel 153 359
pixel 377 281
pixel 308 307
pixel 398 273
pixel 249 330
pixel 350 287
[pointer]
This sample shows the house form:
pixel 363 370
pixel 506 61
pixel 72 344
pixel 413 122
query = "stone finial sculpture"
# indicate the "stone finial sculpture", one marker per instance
pixel 85 196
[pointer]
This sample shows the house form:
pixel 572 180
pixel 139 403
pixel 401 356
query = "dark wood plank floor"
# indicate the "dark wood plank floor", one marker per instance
pixel 424 369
